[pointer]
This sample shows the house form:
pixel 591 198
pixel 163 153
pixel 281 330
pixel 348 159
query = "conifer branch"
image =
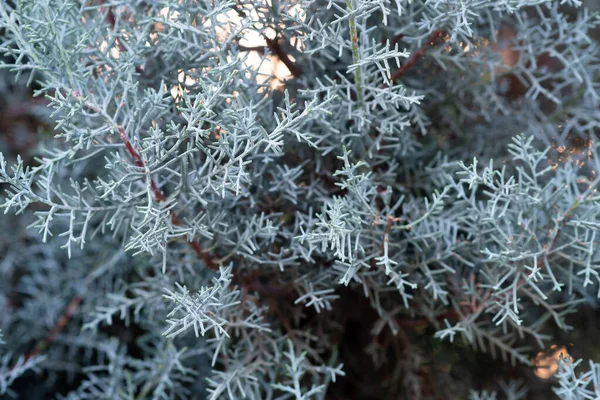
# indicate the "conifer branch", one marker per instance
pixel 159 197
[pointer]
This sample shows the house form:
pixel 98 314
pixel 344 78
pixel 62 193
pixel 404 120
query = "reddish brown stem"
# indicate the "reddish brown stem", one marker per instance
pixel 386 236
pixel 416 56
pixel 139 162
pixel 62 322
pixel 397 38
pixel 160 197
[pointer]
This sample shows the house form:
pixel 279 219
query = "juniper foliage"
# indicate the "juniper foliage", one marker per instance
pixel 422 184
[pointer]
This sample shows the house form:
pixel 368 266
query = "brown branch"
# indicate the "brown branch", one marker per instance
pixel 394 39
pixel 160 197
pixel 275 47
pixel 139 162
pixel 386 236
pixel 136 157
pixel 283 56
pixel 62 322
pixel 416 56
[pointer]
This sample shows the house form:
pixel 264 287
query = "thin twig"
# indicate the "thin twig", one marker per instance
pixel 136 157
pixel 416 56
pixel 276 49
pixel 386 236
pixel 160 197
pixel 62 322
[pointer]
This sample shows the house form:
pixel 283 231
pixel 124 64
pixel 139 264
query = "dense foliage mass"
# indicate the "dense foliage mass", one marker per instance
pixel 408 210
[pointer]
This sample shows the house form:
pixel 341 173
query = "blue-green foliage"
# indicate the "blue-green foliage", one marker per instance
pixel 212 223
